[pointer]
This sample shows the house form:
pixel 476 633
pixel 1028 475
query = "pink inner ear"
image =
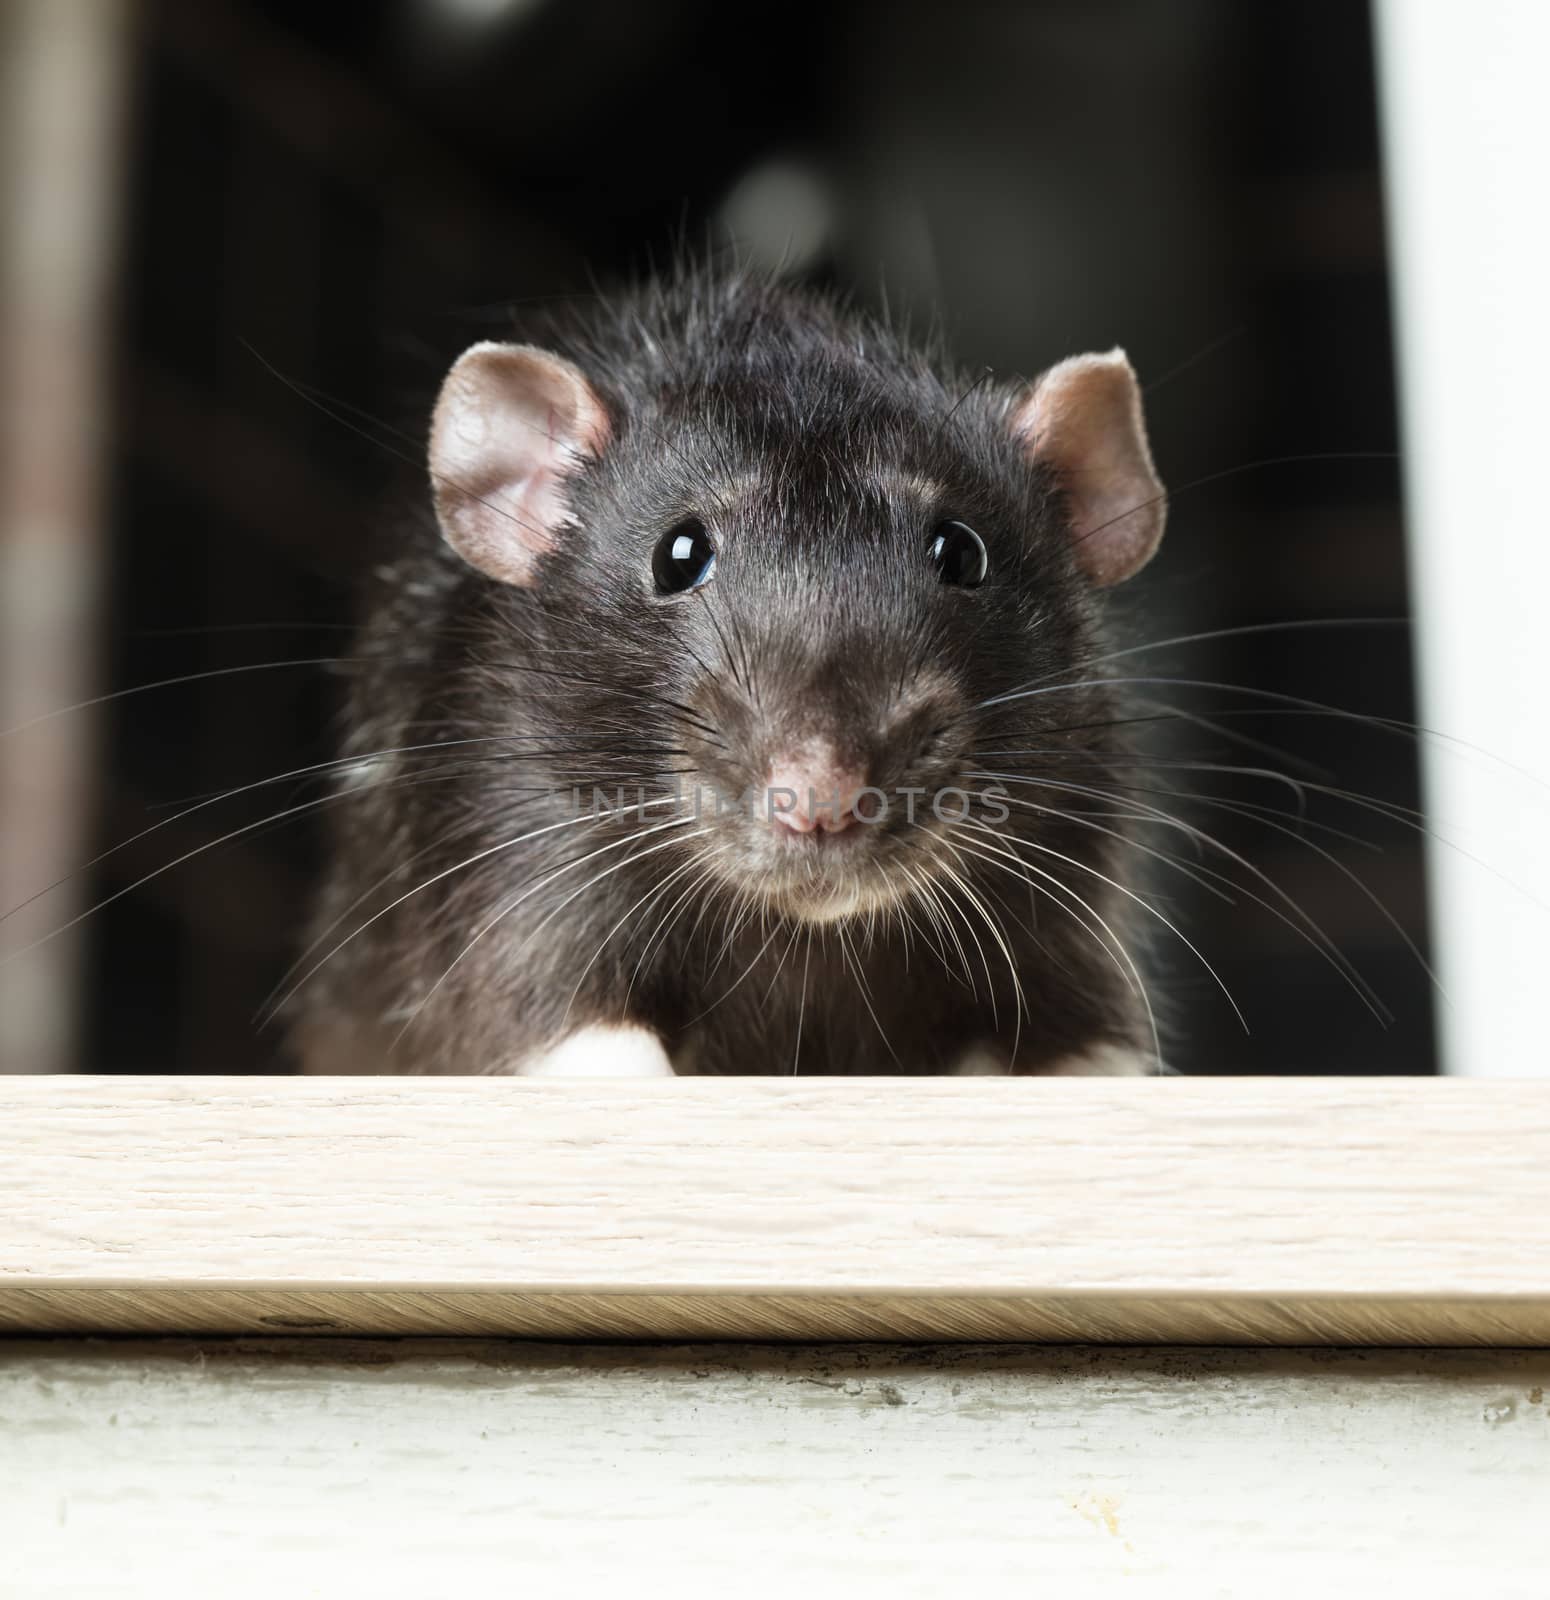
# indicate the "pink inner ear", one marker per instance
pixel 1083 419
pixel 511 424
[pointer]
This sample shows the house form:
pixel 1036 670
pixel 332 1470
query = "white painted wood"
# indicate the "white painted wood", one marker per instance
pixel 137 1470
pixel 1212 1211
pixel 1466 130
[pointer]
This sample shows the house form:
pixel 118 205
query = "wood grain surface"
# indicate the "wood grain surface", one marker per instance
pixel 1205 1211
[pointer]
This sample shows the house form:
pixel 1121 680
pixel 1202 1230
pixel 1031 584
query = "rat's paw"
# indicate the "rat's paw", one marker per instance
pixel 1100 1061
pixel 1103 1061
pixel 602 1051
pixel 980 1061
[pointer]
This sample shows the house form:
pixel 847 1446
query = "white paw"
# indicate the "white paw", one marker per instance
pixel 1102 1061
pixel 602 1052
pixel 979 1062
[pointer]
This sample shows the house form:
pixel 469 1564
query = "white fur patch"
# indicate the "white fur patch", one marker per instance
pixel 1102 1061
pixel 979 1063
pixel 602 1052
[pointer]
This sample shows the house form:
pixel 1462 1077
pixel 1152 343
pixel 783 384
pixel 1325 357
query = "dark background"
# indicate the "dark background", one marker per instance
pixel 327 202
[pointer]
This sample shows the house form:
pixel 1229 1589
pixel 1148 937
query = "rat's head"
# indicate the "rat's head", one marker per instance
pixel 823 593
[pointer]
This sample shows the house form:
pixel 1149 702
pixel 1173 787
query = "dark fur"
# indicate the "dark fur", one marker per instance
pixel 824 613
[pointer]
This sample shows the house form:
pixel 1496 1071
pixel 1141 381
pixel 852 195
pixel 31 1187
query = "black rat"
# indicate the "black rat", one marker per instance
pixel 742 704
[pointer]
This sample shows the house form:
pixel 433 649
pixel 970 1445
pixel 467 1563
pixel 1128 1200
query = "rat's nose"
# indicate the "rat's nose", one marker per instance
pixel 811 791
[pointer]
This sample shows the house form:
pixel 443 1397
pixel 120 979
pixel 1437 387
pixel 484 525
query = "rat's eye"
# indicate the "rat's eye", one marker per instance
pixel 683 559
pixel 958 554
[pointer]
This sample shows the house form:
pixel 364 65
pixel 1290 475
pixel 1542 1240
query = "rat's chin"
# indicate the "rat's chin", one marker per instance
pixel 827 902
pixel 816 878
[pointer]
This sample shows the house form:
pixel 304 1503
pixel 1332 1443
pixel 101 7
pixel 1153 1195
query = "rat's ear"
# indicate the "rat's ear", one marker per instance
pixel 1083 419
pixel 510 424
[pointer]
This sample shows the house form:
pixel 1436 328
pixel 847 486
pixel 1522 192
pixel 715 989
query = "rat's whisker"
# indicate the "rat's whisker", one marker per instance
pixel 1299 921
pixel 1200 836
pixel 1083 819
pixel 1114 946
pixel 734 662
pixel 268 1011
pixel 932 898
pixel 1146 906
pixel 702 881
pixel 334 797
pixel 447 872
pixel 1393 725
pixel 652 894
pixel 336 663
pixel 170 683
pixel 780 966
pixel 336 765
pixel 1206 350
pixel 955 880
pixel 998 933
pixel 1299 821
pixel 854 968
pixel 1304 459
pixel 796 1053
pixel 510 906
pixel 928 930
pixel 739 980
pixel 1213 724
pixel 1241 631
pixel 1403 816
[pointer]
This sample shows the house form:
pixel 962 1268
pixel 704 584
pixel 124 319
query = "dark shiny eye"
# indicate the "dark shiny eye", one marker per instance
pixel 683 559
pixel 958 554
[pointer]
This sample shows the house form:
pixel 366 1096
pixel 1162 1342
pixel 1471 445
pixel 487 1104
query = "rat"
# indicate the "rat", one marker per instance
pixel 742 710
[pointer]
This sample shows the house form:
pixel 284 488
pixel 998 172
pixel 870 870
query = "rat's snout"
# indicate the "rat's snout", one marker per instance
pixel 810 790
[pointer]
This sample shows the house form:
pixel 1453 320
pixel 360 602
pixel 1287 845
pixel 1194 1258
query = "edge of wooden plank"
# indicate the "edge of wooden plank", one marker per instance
pixel 400 1311
pixel 1197 1211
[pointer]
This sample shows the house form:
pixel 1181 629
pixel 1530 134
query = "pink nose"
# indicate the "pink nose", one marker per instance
pixel 810 792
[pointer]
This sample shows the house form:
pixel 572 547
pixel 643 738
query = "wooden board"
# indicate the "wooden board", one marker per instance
pixel 332 1468
pixel 1203 1211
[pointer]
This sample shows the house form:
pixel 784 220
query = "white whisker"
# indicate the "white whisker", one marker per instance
pixel 510 906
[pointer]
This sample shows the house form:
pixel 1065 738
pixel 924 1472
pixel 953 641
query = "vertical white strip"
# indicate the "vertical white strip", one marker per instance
pixel 1466 116
pixel 61 79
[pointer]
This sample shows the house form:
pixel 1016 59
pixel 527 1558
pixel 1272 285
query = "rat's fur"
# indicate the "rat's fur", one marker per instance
pixel 821 450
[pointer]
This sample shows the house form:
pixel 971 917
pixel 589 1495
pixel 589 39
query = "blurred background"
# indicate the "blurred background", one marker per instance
pixel 243 240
